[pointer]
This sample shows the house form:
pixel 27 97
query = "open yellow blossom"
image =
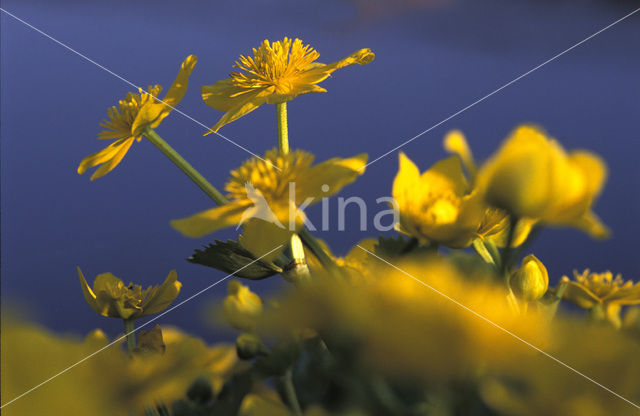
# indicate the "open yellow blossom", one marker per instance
pixel 532 176
pixel 588 290
pixel 133 114
pixel 277 72
pixel 241 308
pixel 266 196
pixel 110 297
pixel 495 222
pixel 436 206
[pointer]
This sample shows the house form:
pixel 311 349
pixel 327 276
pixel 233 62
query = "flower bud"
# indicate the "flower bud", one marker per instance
pixel 531 281
pixel 242 307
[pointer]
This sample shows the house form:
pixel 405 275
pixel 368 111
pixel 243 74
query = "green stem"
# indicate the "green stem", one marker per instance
pixel 507 253
pixel 283 129
pixel 189 170
pixel 290 393
pixel 129 332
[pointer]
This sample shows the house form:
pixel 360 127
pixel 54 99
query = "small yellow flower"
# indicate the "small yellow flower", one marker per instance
pixel 241 308
pixel 436 206
pixel 531 281
pixel 589 290
pixel 532 176
pixel 277 72
pixel 133 114
pixel 110 297
pixel 260 192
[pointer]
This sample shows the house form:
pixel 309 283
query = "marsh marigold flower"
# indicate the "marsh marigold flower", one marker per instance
pixel 265 196
pixel 532 176
pixel 111 297
pixel 277 72
pixel 436 206
pixel 588 290
pixel 241 308
pixel 133 114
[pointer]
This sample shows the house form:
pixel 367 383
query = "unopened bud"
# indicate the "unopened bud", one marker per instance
pixel 530 281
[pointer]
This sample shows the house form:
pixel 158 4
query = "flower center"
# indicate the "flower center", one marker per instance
pixel 278 64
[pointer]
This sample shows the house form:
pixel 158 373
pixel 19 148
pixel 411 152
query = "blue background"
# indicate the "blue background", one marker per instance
pixel 431 61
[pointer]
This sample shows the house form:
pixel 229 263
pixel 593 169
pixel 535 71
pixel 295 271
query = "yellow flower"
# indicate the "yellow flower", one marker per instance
pixel 532 176
pixel 133 114
pixel 241 308
pixel 110 297
pixel 436 206
pixel 260 200
pixel 589 290
pixel 277 72
pixel 531 280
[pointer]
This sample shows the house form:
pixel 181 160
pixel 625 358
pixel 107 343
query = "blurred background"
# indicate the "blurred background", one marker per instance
pixel 433 58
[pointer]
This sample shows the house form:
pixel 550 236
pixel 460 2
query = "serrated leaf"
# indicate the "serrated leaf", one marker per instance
pixel 232 258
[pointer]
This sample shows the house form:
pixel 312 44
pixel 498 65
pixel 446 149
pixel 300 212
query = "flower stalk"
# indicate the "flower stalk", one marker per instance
pixel 184 166
pixel 129 332
pixel 283 129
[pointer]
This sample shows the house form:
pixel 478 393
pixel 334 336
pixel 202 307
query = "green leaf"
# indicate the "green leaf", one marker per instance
pixel 232 258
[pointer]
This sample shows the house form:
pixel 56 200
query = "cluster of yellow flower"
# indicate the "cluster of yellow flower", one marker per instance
pixel 397 326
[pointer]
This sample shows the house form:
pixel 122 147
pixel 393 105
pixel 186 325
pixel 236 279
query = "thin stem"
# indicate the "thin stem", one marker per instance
pixel 184 166
pixel 507 253
pixel 129 332
pixel 290 393
pixel 283 129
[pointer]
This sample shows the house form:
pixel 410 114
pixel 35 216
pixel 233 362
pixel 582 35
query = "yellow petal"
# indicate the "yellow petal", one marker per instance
pixel 406 180
pixel 246 103
pixel 88 294
pixel 336 173
pixel 445 175
pixel 105 155
pixel 111 164
pixel 223 95
pixel 163 297
pixel 211 220
pixel 455 143
pixel 153 112
pixel 592 225
pixel 319 72
pixel 179 87
pixel 579 295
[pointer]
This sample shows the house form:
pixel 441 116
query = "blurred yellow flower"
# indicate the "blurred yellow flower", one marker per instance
pixel 531 280
pixel 110 383
pixel 588 290
pixel 262 197
pixel 133 114
pixel 277 72
pixel 241 308
pixel 532 176
pixel 110 297
pixel 436 206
